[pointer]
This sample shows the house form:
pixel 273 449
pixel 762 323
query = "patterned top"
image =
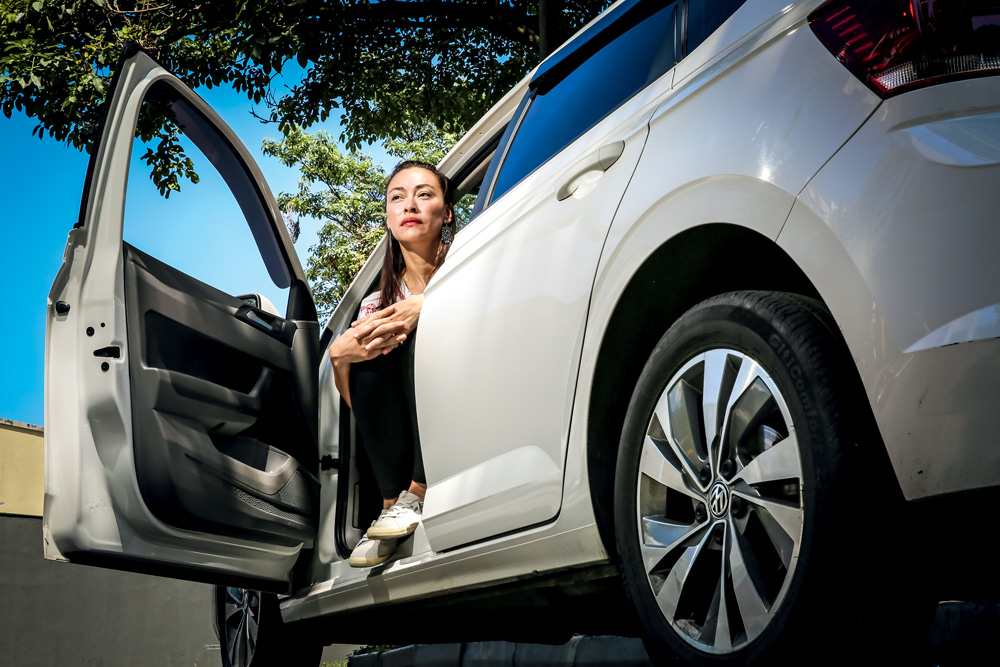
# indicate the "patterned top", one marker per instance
pixel 369 304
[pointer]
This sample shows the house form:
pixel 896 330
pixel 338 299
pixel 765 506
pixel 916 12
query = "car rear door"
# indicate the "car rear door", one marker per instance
pixel 501 330
pixel 180 420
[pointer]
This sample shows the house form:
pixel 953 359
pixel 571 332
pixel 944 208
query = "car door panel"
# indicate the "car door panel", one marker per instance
pixel 205 384
pixel 503 322
pixel 501 334
pixel 180 420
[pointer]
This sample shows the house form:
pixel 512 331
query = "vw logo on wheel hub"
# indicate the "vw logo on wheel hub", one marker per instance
pixel 718 499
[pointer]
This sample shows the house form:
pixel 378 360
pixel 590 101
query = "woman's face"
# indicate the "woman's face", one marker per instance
pixel 415 207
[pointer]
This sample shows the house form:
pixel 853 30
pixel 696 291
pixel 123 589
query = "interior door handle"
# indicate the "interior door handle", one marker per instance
pixel 589 170
pixel 266 322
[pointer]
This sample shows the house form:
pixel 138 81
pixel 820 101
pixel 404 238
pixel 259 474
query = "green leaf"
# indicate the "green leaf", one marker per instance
pixel 35 80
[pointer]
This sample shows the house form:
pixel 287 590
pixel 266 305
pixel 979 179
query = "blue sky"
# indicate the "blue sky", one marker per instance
pixel 42 181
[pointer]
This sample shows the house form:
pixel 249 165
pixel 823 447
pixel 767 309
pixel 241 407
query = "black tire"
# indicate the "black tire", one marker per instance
pixel 779 562
pixel 252 634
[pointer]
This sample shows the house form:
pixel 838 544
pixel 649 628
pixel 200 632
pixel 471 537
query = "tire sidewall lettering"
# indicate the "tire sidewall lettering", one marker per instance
pixel 798 377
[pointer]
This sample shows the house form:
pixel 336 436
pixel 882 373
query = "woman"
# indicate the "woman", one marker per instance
pixel 376 383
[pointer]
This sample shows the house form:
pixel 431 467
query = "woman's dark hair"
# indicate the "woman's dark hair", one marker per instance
pixel 393 264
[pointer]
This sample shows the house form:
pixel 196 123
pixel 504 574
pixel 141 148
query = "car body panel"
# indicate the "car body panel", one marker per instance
pixel 418 573
pixel 485 311
pixel 724 178
pixel 915 289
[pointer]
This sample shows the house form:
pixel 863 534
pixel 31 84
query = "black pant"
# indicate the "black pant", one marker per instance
pixel 385 413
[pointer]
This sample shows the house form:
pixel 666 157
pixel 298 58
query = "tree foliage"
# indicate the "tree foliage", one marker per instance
pixel 377 64
pixel 394 70
pixel 59 55
pixel 345 191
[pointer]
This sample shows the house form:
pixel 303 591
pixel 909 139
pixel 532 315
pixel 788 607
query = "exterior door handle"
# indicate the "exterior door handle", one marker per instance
pixel 585 174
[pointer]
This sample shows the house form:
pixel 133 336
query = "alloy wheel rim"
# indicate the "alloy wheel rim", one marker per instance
pixel 241 616
pixel 720 509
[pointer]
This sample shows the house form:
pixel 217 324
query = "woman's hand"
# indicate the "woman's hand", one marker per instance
pixel 348 348
pixel 386 329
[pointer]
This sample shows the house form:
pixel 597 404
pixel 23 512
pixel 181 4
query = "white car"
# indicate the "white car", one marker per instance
pixel 715 360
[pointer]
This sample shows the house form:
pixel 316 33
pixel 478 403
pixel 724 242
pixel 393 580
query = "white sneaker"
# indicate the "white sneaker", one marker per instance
pixel 371 552
pixel 399 520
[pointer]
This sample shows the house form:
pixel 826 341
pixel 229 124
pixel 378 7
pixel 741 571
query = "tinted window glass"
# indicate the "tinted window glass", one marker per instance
pixel 464 206
pixel 468 180
pixel 704 16
pixel 588 94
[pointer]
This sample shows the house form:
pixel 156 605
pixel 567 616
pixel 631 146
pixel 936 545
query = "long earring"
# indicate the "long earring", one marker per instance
pixel 447 234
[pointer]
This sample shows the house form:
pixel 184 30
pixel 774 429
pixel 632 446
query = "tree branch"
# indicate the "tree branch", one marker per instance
pixel 138 11
pixel 513 23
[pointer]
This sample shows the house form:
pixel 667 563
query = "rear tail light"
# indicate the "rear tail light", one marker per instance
pixel 898 45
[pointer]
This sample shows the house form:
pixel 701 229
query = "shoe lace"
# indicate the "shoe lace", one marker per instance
pixel 397 508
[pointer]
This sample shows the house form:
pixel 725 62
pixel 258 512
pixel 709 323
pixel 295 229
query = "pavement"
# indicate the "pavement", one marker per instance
pixel 963 633
pixel 338 652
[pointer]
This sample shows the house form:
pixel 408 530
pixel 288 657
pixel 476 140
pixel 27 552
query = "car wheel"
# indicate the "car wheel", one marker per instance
pixel 251 633
pixel 741 524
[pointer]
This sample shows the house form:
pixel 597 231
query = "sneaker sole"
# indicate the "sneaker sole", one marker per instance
pixel 355 561
pixel 382 533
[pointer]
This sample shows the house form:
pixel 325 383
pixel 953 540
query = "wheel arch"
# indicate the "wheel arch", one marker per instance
pixel 688 268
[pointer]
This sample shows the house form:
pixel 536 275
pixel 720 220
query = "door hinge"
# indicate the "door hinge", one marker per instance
pixel 110 351
pixel 329 463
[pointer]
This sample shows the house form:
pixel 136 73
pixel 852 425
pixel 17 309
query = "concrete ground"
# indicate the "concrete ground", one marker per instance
pixel 59 614
pixel 963 633
pixel 339 652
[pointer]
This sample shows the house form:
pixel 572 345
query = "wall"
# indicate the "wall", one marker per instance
pixel 58 614
pixel 21 480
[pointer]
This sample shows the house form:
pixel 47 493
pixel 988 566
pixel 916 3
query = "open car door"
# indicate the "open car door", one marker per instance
pixel 180 421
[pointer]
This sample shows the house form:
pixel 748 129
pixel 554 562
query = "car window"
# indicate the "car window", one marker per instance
pixel 465 204
pixel 704 16
pixel 467 181
pixel 467 192
pixel 213 228
pixel 601 83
